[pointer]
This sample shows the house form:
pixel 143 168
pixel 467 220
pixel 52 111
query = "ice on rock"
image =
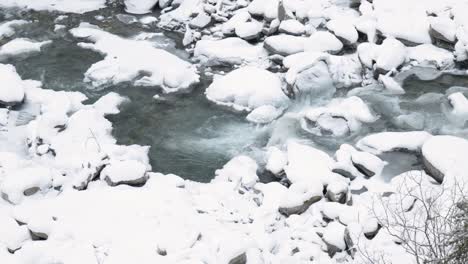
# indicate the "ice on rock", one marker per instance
pixel 140 6
pixel 352 110
pixel 445 156
pixel 459 112
pixel 292 27
pixel 130 172
pixel 391 85
pixel 21 46
pixel 284 44
pixel 393 141
pixel 241 170
pixel 264 114
pixel 323 41
pixel 12 86
pixel 229 51
pixel 247 88
pixel 70 6
pixel 119 65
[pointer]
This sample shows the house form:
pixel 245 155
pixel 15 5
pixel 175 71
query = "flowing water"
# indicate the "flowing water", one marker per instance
pixel 190 136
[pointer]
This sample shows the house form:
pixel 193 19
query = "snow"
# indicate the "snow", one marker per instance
pixel 16 182
pixel 247 88
pixel 139 6
pixel 12 89
pixel 21 46
pixel 249 30
pixel 447 154
pixel 343 29
pixel 240 170
pixel 126 171
pixel 334 234
pixel 7 29
pixel 264 114
pixel 292 27
pixel 277 160
pixel 391 85
pixel 120 65
pixel 430 55
pixel 284 44
pixel 444 26
pixel 393 141
pixel 228 51
pixel 68 6
pixel 322 41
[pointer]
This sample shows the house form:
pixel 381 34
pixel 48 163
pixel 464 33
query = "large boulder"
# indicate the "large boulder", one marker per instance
pixel 130 172
pixel 443 155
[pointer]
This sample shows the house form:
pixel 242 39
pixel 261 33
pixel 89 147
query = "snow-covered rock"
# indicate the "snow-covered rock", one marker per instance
pixel 344 30
pixel 247 88
pixel 443 28
pixel 323 41
pixel 7 29
pixel 430 55
pixel 119 65
pixel 458 113
pixel 344 116
pixel 130 172
pixel 228 51
pixel 21 46
pixel 140 6
pixel 292 27
pixel 249 30
pixel 445 155
pixel 284 44
pixel 12 86
pixel 394 141
pixel 240 170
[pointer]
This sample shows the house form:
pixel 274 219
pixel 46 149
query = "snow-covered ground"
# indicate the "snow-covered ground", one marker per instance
pixel 322 81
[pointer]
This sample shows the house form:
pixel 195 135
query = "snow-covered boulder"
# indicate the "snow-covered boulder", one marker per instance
pixel 140 6
pixel 249 30
pixel 443 28
pixel 276 161
pixel 21 46
pixel 323 41
pixel 393 141
pixel 344 30
pixel 12 86
pixel 391 54
pixel 429 55
pixel 299 197
pixel 247 88
pixel 119 65
pixel 292 27
pixel 284 44
pixel 241 170
pixel 228 51
pixel 201 20
pixel 333 236
pixel 445 155
pixel 130 172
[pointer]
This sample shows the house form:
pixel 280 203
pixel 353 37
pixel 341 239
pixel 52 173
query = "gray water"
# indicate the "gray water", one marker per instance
pixel 190 136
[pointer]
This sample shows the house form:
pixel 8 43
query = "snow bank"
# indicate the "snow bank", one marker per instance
pixel 21 46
